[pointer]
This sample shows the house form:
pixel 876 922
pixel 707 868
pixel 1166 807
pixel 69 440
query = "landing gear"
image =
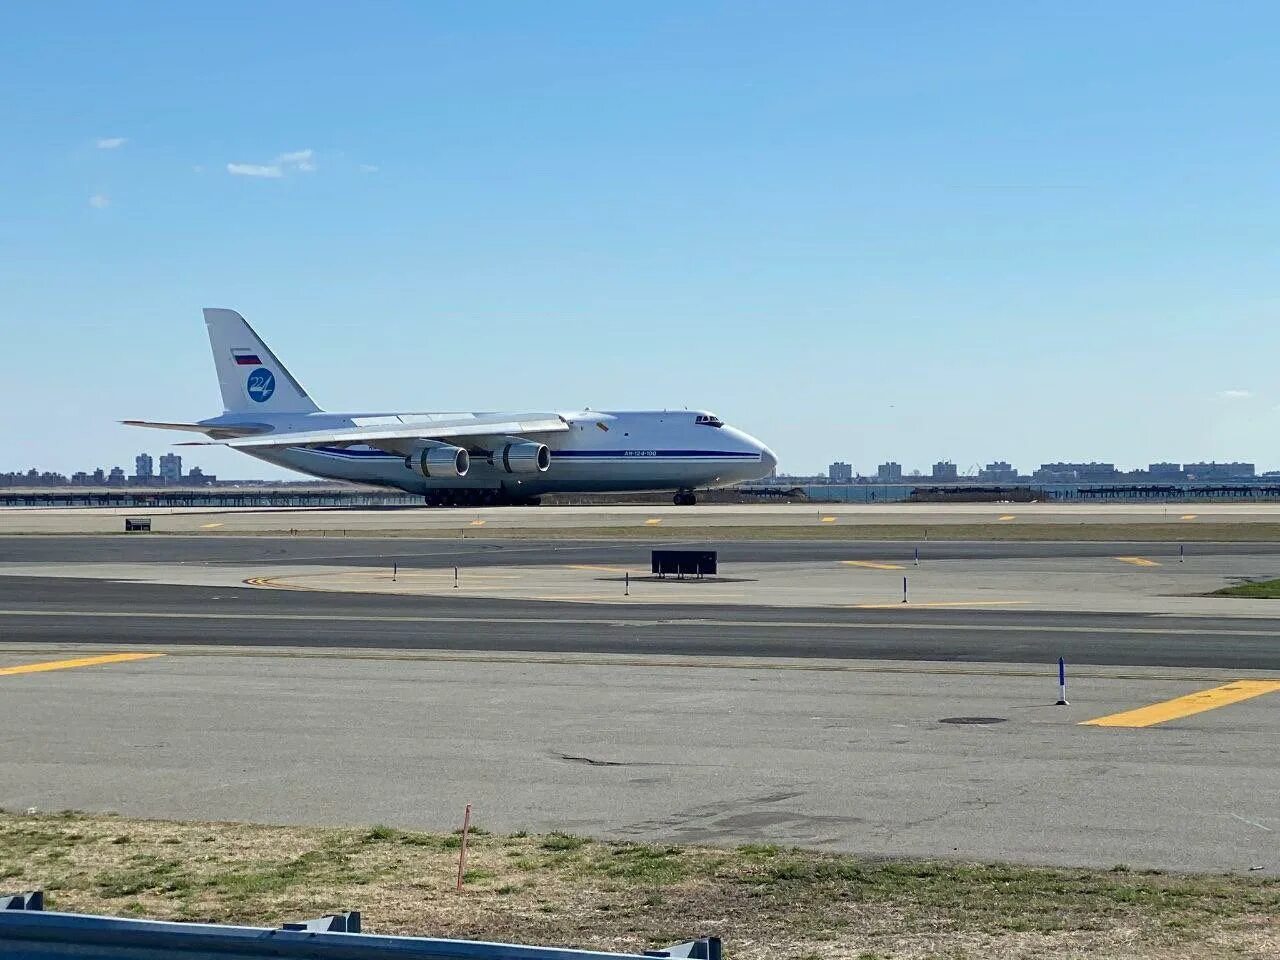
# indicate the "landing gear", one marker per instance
pixel 445 497
pixel 684 498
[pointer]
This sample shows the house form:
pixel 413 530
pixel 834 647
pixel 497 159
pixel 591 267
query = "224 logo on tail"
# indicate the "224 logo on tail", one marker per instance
pixel 261 385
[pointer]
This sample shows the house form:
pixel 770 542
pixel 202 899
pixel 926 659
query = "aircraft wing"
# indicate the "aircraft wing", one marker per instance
pixel 443 430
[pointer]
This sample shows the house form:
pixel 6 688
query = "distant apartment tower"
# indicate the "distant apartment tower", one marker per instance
pixel 116 477
pixel 170 467
pixel 1219 471
pixel 998 472
pixel 944 470
pixel 142 466
pixel 840 472
pixel 889 472
pixel 1165 471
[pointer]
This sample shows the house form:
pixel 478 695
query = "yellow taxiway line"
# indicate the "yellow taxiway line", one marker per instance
pixel 1139 561
pixel 78 662
pixel 872 565
pixel 1189 705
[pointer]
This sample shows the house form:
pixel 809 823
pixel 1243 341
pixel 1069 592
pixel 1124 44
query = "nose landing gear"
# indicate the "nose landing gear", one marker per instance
pixel 684 498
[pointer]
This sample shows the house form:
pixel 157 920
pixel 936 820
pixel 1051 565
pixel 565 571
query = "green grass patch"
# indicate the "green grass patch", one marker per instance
pixel 1254 590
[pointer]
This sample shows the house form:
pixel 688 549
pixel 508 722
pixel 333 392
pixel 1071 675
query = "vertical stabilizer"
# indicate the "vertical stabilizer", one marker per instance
pixel 252 380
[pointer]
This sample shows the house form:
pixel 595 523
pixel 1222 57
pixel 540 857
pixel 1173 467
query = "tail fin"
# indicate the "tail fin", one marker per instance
pixel 251 378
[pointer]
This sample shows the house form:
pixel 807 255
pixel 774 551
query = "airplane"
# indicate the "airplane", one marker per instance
pixel 463 459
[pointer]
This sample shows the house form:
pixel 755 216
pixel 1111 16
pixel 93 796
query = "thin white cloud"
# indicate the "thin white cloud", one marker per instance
pixel 99 201
pixel 300 159
pixel 1235 394
pixel 111 143
pixel 254 170
pixel 368 168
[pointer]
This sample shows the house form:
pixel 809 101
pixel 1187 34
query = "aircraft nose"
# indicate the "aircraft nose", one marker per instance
pixel 767 459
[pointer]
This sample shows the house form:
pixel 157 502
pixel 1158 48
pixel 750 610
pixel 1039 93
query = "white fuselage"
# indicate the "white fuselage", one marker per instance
pixel 601 452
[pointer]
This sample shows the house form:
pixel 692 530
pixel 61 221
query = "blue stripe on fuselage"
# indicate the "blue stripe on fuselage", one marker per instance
pixel 640 455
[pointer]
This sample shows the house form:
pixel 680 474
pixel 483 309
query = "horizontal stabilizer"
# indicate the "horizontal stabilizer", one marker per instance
pixel 210 430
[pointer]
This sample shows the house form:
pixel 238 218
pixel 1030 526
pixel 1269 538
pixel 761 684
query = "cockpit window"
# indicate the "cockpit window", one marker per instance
pixel 708 420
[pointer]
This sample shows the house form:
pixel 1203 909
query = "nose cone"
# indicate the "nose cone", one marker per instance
pixel 767 460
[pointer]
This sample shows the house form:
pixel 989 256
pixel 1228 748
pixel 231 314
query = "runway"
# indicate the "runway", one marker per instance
pixel 699 721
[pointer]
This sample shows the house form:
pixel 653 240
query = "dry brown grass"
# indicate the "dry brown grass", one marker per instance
pixel 564 890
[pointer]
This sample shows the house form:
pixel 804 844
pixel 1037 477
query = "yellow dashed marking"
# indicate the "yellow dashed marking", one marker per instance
pixel 828 519
pixel 873 565
pixel 78 662
pixel 1189 705
pixel 1008 516
pixel 653 521
pixel 1139 561
pixel 211 526
pixel 478 523
pixel 1187 516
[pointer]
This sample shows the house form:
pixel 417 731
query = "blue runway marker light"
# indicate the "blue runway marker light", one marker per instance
pixel 1062 683
pixel 904 589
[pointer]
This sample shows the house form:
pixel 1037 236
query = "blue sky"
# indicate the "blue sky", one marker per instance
pixel 861 231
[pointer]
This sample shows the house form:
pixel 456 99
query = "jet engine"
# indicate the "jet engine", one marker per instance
pixel 439 460
pixel 522 456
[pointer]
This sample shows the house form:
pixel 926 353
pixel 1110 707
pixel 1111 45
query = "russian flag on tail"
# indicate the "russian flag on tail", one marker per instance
pixel 245 358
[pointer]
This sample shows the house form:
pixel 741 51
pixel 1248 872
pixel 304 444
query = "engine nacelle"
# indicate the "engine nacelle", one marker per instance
pixel 441 460
pixel 523 456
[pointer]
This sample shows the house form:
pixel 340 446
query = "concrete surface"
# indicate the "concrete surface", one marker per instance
pixel 808 753
pixel 1130 584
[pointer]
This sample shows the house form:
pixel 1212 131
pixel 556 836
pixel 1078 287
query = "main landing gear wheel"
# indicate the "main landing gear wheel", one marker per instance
pixel 684 499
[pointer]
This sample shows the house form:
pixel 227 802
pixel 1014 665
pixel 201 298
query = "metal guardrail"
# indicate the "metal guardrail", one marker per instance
pixel 27 932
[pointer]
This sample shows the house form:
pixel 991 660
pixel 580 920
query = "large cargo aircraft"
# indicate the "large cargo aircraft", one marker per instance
pixel 464 458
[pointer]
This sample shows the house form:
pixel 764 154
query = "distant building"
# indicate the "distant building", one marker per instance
pixel 198 478
pixel 998 472
pixel 1219 471
pixel 944 470
pixel 99 477
pixel 116 477
pixel 142 466
pixel 170 467
pixel 1091 472
pixel 1165 471
pixel 840 472
pixel 889 472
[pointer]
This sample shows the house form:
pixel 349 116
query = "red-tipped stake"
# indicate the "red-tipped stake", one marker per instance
pixel 462 850
pixel 1062 683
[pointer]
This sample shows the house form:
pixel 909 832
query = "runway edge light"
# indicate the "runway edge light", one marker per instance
pixel 1062 683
